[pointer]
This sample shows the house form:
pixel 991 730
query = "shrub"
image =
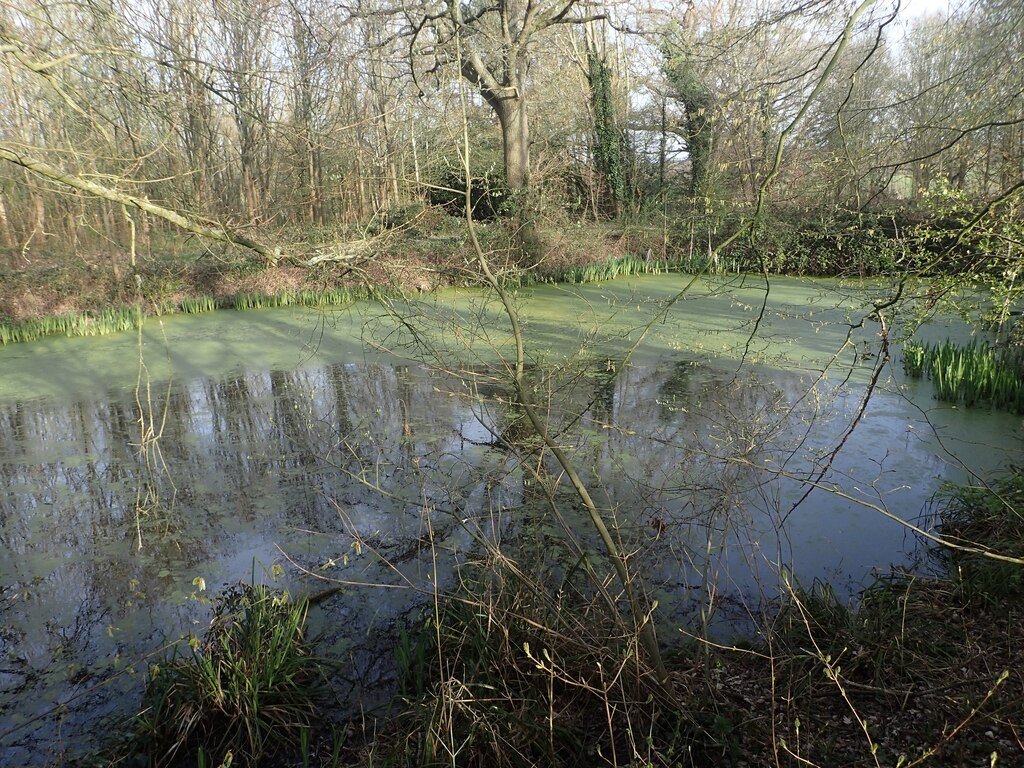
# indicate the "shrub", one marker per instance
pixel 489 193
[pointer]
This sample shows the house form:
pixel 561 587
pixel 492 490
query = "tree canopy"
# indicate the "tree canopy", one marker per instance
pixel 262 122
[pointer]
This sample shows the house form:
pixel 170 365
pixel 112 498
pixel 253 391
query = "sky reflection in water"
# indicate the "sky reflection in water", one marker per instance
pixel 281 441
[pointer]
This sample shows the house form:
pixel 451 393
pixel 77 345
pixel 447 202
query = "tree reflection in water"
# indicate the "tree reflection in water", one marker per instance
pixel 366 473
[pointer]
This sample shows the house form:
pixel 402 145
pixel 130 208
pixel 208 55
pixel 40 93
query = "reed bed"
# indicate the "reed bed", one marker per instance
pixel 126 317
pixel 622 267
pixel 110 320
pixel 198 305
pixel 628 266
pixel 330 298
pixel 301 298
pixel 243 301
pixel 971 374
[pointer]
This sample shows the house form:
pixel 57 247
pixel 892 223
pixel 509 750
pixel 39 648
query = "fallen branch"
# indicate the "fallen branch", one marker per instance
pixel 340 252
pixel 221 234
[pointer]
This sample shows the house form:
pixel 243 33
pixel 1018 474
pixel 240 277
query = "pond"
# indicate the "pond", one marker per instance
pixel 380 448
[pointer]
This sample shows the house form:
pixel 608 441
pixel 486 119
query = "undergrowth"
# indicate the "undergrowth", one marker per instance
pixel 510 673
pixel 926 668
pixel 994 516
pixel 509 669
pixel 248 687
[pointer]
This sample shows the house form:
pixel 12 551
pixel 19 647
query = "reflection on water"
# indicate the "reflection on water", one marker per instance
pixel 363 472
pixel 253 466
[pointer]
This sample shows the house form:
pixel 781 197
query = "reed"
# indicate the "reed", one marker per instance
pixel 243 301
pixel 301 298
pixel 248 687
pixel 110 320
pixel 124 318
pixel 198 305
pixel 625 266
pixel 308 298
pixel 7 334
pixel 168 307
pixel 338 296
pixel 914 356
pixel 972 374
pixel 628 266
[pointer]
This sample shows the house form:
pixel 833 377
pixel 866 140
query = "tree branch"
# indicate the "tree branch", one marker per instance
pixel 221 234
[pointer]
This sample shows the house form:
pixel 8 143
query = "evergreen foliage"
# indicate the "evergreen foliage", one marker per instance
pixel 697 130
pixel 608 138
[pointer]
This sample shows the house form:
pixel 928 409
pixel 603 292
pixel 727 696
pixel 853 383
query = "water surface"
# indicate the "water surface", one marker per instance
pixel 363 445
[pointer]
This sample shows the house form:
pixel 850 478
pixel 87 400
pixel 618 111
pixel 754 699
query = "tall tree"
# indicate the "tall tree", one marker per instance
pixel 247 83
pixel 492 41
pixel 310 51
pixel 608 136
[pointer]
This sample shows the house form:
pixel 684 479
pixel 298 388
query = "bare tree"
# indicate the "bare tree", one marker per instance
pixel 496 39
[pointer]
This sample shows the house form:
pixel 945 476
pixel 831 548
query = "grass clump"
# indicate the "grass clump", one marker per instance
pixel 914 357
pixel 301 298
pixel 244 301
pixel 99 323
pixel 629 265
pixel 971 374
pixel 199 304
pixel 248 687
pixel 814 612
pixel 615 268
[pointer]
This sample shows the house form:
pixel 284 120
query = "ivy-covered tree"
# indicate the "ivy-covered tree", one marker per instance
pixel 698 104
pixel 608 136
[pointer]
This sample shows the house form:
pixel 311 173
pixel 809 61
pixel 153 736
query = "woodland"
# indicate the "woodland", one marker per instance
pixel 800 136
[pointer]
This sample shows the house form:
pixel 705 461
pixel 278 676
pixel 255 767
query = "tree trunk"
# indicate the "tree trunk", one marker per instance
pixel 6 234
pixel 698 143
pixel 39 216
pixel 515 139
pixel 607 151
pixel 663 145
pixel 507 97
